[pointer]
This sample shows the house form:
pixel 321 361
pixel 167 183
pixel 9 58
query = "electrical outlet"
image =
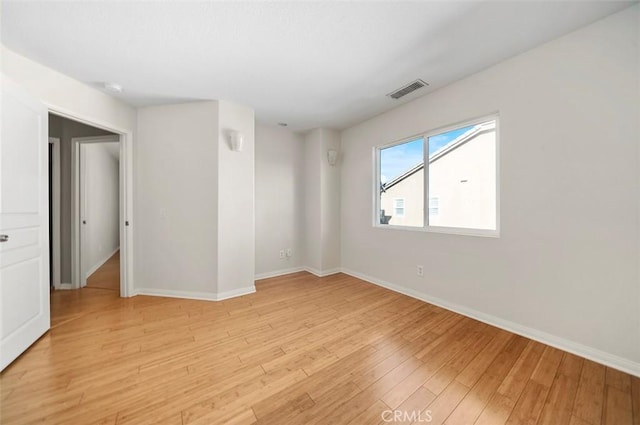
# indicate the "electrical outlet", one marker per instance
pixel 281 254
pixel 420 270
pixel 289 252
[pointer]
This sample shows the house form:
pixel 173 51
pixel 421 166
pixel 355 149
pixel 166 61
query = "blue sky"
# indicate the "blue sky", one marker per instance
pixel 396 160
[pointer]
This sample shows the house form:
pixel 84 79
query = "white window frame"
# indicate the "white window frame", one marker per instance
pixel 425 138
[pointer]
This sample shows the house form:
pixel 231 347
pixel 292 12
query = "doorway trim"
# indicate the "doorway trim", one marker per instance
pixel 78 275
pixel 126 195
pixel 55 213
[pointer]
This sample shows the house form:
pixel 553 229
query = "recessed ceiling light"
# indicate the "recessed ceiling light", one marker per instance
pixel 112 87
pixel 282 124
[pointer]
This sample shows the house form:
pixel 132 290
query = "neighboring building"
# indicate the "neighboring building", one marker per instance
pixel 462 185
pixel 401 198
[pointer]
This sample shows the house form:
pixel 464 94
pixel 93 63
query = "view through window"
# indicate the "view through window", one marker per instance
pixel 459 180
pixel 401 178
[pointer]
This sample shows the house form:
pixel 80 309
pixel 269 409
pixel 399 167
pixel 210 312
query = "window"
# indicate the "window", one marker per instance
pixel 401 184
pixel 434 206
pixel 454 169
pixel 398 207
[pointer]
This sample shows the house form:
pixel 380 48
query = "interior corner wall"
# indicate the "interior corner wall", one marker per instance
pixel 279 200
pixel 565 268
pixel 322 202
pixel 236 202
pixel 176 188
pixel 313 200
pixel 330 211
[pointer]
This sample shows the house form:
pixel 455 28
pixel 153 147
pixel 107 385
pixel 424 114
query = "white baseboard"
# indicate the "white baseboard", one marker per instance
pixel 65 286
pixel 190 295
pixel 322 273
pixel 573 347
pixel 277 273
pixel 235 293
pixel 283 272
pixel 99 264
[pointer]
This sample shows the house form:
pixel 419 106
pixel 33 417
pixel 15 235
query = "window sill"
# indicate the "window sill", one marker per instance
pixel 460 231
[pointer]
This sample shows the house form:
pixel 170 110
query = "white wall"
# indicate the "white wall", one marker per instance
pixel 102 202
pixel 196 234
pixel 236 208
pixel 330 203
pixel 279 176
pixel 322 202
pixel 313 199
pixel 176 187
pixel 566 266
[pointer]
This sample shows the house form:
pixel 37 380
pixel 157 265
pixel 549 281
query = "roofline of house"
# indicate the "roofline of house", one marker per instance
pixel 462 139
pixel 449 147
pixel 401 177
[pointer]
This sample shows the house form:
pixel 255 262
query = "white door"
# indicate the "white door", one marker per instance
pixel 24 209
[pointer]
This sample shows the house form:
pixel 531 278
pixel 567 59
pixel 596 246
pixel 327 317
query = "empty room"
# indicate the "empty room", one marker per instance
pixel 320 212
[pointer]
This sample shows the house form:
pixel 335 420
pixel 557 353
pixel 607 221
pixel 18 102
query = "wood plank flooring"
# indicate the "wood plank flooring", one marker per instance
pixel 107 276
pixel 301 350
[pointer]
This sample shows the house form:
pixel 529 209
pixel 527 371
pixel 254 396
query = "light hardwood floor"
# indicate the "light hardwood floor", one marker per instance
pixel 107 276
pixel 301 350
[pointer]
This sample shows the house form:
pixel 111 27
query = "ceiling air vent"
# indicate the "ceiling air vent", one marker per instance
pixel 411 87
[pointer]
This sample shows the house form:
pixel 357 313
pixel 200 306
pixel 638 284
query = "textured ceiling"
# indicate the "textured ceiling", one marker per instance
pixel 310 64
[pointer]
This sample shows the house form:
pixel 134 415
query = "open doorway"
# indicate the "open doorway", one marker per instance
pixel 86 249
pixel 97 206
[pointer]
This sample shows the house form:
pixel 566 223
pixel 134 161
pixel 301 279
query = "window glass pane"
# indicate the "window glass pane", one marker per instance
pixel 462 177
pixel 402 184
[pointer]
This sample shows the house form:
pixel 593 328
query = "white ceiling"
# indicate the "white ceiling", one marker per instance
pixel 310 64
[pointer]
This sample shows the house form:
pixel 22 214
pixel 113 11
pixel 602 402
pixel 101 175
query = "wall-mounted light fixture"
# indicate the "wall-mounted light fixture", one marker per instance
pixel 236 140
pixel 332 156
